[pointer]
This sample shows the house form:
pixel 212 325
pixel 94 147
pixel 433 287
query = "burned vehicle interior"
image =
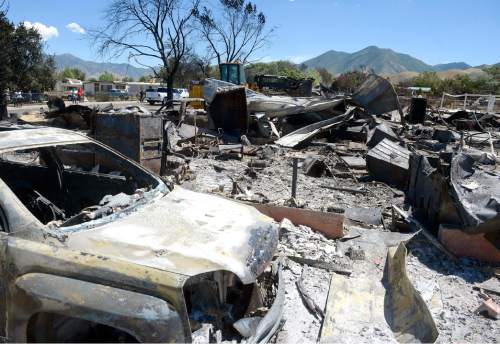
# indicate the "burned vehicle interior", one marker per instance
pixel 54 182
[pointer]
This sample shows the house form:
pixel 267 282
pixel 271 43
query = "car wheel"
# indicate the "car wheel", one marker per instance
pixel 151 102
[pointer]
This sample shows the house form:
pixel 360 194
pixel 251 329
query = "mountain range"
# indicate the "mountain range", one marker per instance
pixel 94 69
pixel 380 60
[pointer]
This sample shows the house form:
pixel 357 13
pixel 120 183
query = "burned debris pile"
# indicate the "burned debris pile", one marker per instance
pixel 371 194
pixel 370 160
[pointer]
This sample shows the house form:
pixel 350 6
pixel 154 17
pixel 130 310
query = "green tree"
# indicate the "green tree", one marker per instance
pixel 6 31
pixel 145 78
pixel 349 81
pixel 493 78
pixel 493 71
pixel 32 69
pixel 283 68
pixel 458 84
pixel 428 79
pixel 73 73
pixel 189 69
pixel 128 79
pixel 106 76
pixel 23 63
pixel 325 76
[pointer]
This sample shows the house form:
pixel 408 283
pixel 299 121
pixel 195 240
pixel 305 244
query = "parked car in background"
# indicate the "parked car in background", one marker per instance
pixel 180 93
pixel 156 95
pixel 160 95
pixel 17 98
pixel 116 93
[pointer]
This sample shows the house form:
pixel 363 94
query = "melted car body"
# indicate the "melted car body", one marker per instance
pixel 95 247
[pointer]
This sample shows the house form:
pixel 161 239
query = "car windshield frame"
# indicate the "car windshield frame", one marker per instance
pixel 154 192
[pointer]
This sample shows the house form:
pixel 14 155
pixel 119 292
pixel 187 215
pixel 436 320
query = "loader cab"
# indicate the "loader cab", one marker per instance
pixel 233 73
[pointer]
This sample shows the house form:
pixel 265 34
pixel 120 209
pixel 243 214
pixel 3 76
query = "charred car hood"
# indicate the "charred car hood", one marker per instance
pixel 187 233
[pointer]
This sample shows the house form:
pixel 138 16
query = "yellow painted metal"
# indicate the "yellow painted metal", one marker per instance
pixel 196 91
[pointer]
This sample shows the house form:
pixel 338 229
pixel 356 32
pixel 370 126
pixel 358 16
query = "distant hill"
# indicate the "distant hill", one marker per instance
pixel 473 73
pixel 488 66
pixel 382 61
pixel 94 69
pixel 453 65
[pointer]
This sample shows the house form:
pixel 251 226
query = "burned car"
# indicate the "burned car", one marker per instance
pixel 96 248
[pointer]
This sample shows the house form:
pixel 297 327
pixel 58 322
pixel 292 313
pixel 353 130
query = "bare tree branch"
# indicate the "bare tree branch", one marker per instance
pixel 235 31
pixel 4 6
pixel 155 33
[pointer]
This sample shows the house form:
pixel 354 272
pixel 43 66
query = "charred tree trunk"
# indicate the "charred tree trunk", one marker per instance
pixel 3 106
pixel 170 88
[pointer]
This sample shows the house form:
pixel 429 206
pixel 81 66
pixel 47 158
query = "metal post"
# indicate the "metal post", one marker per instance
pixel 195 129
pixel 465 102
pixel 294 177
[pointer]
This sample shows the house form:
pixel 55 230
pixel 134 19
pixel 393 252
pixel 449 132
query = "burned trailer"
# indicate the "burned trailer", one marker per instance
pixel 96 248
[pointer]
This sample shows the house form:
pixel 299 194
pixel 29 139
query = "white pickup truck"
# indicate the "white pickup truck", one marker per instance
pixel 154 95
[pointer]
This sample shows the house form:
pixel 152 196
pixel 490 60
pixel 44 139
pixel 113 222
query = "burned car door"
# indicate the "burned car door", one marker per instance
pixel 59 295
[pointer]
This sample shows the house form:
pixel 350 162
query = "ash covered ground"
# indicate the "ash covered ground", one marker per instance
pixel 446 286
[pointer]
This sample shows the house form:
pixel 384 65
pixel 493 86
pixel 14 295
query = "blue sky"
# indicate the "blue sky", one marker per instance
pixel 437 31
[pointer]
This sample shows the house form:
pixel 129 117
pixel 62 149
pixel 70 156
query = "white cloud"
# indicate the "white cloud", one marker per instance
pixel 292 58
pixel 76 28
pixel 47 32
pixel 299 58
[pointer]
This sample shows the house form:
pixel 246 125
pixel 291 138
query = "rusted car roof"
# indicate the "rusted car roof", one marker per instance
pixel 26 138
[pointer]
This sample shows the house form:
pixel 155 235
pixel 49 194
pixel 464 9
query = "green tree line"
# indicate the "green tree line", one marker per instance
pixel 459 84
pixel 283 68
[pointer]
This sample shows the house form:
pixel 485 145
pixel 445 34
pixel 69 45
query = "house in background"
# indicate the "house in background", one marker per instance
pixel 135 87
pixel 92 88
